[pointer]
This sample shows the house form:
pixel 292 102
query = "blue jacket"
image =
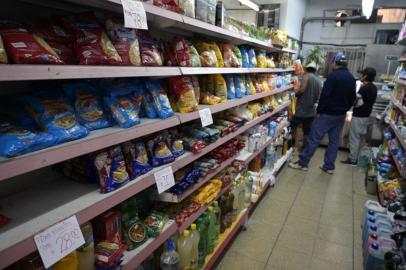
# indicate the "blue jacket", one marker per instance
pixel 338 93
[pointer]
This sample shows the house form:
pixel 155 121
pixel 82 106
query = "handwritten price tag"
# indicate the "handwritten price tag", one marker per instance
pixel 164 179
pixel 59 240
pixel 206 117
pixel 134 14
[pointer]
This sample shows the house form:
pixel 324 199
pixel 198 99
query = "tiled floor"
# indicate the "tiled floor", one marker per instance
pixel 309 220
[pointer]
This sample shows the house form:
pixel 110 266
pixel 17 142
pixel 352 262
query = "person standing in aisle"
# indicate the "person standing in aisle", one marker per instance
pixel 307 97
pixel 360 121
pixel 337 97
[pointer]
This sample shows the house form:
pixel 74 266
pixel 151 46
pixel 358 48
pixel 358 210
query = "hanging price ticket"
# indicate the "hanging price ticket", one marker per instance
pixel 164 179
pixel 206 117
pixel 134 14
pixel 59 240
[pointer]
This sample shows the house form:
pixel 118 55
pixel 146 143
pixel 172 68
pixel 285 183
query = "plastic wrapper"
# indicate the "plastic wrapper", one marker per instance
pixel 251 86
pixel 150 50
pixel 194 145
pixel 171 5
pixel 194 56
pixel 54 114
pixel 239 84
pixel 3 54
pixel 169 55
pixel 175 143
pixel 87 104
pixel 135 233
pixel 252 58
pixel 93 46
pixel 196 87
pixel 184 95
pixel 213 46
pixel 136 157
pixel 220 87
pixel 230 86
pixel 188 7
pixel 51 32
pixel 182 53
pixel 261 59
pixel 125 40
pixel 208 56
pixel 230 59
pixel 245 80
pixel 111 169
pixel 108 254
pixel 238 54
pixel 244 57
pixel 155 222
pixel 159 151
pixel 65 52
pixel 160 98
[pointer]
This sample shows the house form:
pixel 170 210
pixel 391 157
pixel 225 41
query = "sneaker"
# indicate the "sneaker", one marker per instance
pixel 326 170
pixel 349 162
pixel 295 165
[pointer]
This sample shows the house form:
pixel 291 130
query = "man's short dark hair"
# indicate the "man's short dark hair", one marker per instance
pixel 369 73
pixel 311 69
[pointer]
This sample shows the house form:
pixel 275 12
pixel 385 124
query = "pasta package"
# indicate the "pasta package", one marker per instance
pixel 220 87
pixel 125 40
pixel 213 46
pixel 111 169
pixel 155 222
pixel 261 58
pixel 182 89
pixel 208 56
pixel 136 157
pixel 3 54
pixel 51 32
pixel 160 98
pixel 230 86
pixel 150 50
pixel 196 87
pixel 171 5
pixel 173 139
pixel 93 46
pixel 135 233
pixel 194 56
pixel 159 151
pixel 182 53
pixel 230 59
pixel 55 115
pixel 188 7
pixel 237 53
pixel 87 104
pixel 169 55
pixel 64 51
pixel 252 58
pixel 245 62
pixel 239 84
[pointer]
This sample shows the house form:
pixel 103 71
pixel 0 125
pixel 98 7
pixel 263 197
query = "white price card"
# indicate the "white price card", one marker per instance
pixel 134 14
pixel 59 240
pixel 206 117
pixel 164 179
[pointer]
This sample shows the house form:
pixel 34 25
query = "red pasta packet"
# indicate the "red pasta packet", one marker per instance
pixel 65 52
pixel 51 32
pixel 169 5
pixel 150 50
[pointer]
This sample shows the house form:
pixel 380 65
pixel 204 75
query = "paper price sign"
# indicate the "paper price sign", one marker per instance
pixel 164 179
pixel 59 240
pixel 134 14
pixel 206 117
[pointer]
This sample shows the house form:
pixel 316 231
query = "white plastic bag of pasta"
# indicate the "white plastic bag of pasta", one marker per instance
pixel 188 7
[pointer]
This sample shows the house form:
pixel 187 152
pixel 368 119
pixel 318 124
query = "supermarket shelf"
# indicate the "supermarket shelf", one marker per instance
pixel 278 165
pixel 57 72
pixel 186 117
pixel 289 50
pixel 399 81
pixel 399 106
pixel 224 239
pixel 213 70
pixel 132 259
pixel 97 139
pixel 246 157
pixel 252 206
pixel 397 133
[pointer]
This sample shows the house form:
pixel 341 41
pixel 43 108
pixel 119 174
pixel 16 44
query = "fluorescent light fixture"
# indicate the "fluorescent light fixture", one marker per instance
pixel 249 4
pixel 367 7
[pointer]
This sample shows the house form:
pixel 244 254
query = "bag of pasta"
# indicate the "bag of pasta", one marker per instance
pixel 150 50
pixel 238 54
pixel 230 59
pixel 196 87
pixel 245 62
pixel 64 51
pixel 169 55
pixel 182 53
pixel 220 87
pixel 88 105
pixel 230 86
pixel 125 40
pixel 250 87
pixel 208 56
pixel 171 5
pixel 182 89
pixel 159 151
pixel 54 114
pixel 213 46
pixel 51 32
pixel 3 54
pixel 252 58
pixel 194 56
pixel 239 86
pixel 261 58
pixel 93 46
pixel 136 157
pixel 188 7
pixel 160 98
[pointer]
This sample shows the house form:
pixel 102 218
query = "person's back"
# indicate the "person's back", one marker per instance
pixel 306 101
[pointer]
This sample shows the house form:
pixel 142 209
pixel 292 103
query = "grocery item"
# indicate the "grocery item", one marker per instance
pixel 87 104
pixel 261 58
pixel 135 232
pixel 217 213
pixel 206 10
pixel 220 87
pixel 171 5
pixel 252 60
pixel 195 238
pixel 85 253
pixel 159 151
pixel 65 52
pixel 169 55
pixel 111 168
pixel 160 98
pixel 69 262
pixel 182 52
pixel 208 57
pixel 109 255
pixel 208 192
pixel 211 230
pixel 136 158
pixel 230 86
pixel 150 51
pixel 175 142
pixel 238 54
pixel 245 62
pixel 202 227
pixel 239 85
pixel 213 46
pixel 184 94
pixel 154 223
pixel 185 245
pixel 196 87
pixel 170 258
pixel 51 32
pixel 3 54
pixel 107 227
pixel 230 59
pixel 188 7
pixel 125 40
pixel 194 56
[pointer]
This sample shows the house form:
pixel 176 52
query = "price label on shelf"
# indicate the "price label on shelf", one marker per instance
pixel 59 240
pixel 134 14
pixel 205 117
pixel 164 179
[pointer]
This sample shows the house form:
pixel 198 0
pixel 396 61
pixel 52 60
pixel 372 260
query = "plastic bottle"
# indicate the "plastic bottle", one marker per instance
pixel 185 250
pixel 69 262
pixel 235 193
pixel 170 258
pixel 374 206
pixel 375 257
pixel 373 238
pixel 217 213
pixel 202 227
pixel 86 252
pixel 195 237
pixel 241 197
pixel 371 229
pixel 211 238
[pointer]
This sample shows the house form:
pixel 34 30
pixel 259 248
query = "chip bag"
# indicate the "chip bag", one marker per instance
pixel 151 51
pixel 125 40
pixel 136 158
pixel 159 151
pixel 161 101
pixel 182 89
pixel 230 86
pixel 87 104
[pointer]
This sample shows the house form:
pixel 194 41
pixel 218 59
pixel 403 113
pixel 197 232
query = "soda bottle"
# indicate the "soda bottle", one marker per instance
pixel 170 258
pixel 211 239
pixel 202 227
pixel 195 237
pixel 217 213
pixel 185 250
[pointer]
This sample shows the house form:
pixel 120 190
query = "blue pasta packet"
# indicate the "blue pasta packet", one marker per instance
pixel 88 105
pixel 252 58
pixel 147 106
pixel 245 57
pixel 159 151
pixel 136 158
pixel 160 98
pixel 55 115
pixel 16 140
pixel 11 108
pixel 174 141
pixel 239 86
pixel 230 86
pixel 111 168
pixel 247 84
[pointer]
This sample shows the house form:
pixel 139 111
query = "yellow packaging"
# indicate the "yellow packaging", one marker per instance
pixel 69 262
pixel 3 54
pixel 213 46
pixel 220 87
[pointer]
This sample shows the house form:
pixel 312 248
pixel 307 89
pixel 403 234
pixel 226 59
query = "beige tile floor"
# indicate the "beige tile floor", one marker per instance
pixel 309 220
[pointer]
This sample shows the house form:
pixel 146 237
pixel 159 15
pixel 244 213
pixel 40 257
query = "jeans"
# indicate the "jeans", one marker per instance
pixel 306 125
pixel 322 125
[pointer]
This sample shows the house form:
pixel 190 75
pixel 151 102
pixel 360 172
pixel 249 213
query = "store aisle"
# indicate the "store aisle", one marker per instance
pixel 309 220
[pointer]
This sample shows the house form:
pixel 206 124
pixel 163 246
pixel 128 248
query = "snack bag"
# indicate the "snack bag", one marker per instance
pixel 3 54
pixel 188 7
pixel 181 51
pixel 230 86
pixel 169 55
pixel 51 32
pixel 111 169
pixel 155 223
pixel 151 51
pixel 135 233
pixel 213 46
pixel 55 115
pixel 208 56
pixel 230 59
pixel 239 86
pixel 93 46
pixel 182 89
pixel 245 62
pixel 125 40
pixel 194 56
pixel 261 58
pixel 161 101
pixel 159 151
pixel 196 87
pixel 64 51
pixel 136 158
pixel 220 87
pixel 87 104
pixel 171 5
pixel 252 58
pixel 122 100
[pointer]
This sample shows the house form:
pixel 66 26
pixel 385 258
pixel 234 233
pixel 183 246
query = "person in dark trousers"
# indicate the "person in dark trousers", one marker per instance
pixel 337 97
pixel 307 97
pixel 360 121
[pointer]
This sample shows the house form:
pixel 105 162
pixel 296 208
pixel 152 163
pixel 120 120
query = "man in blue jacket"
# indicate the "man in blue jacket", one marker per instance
pixel 337 97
